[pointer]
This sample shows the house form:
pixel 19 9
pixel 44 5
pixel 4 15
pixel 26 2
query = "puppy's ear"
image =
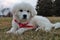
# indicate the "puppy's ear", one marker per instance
pixel 13 10
pixel 33 12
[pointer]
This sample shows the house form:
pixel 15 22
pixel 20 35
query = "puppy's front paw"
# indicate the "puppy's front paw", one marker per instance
pixel 8 32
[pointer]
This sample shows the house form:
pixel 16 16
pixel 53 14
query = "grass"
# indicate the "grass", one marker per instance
pixel 5 24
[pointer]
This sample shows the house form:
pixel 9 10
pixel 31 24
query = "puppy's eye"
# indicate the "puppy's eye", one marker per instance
pixel 21 10
pixel 28 11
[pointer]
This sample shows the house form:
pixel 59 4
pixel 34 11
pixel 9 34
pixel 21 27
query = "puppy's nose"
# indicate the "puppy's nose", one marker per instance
pixel 24 16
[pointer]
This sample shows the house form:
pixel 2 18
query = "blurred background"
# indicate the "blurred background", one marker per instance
pixel 43 7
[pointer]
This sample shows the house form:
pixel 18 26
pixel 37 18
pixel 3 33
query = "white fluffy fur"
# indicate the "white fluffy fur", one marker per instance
pixel 40 21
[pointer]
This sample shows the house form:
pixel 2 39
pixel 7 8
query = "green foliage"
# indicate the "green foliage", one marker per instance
pixel 47 8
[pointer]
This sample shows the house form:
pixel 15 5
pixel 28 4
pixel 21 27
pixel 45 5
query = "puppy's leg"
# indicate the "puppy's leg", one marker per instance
pixel 21 30
pixel 47 28
pixel 44 26
pixel 41 27
pixel 13 29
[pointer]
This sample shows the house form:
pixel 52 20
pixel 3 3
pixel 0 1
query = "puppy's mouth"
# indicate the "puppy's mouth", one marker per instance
pixel 23 18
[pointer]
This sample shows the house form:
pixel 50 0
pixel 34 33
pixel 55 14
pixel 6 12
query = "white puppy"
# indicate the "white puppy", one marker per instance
pixel 24 18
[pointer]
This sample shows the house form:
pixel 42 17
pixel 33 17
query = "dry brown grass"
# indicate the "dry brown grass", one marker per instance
pixel 5 24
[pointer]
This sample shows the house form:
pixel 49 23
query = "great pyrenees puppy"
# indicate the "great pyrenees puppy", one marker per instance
pixel 25 18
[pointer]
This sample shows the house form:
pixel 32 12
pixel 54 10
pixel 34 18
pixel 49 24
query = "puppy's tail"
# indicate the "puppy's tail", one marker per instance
pixel 56 25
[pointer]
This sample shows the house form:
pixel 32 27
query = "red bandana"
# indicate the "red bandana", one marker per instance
pixel 23 25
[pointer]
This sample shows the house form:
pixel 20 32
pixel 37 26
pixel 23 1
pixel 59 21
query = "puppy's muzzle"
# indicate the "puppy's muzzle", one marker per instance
pixel 24 16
